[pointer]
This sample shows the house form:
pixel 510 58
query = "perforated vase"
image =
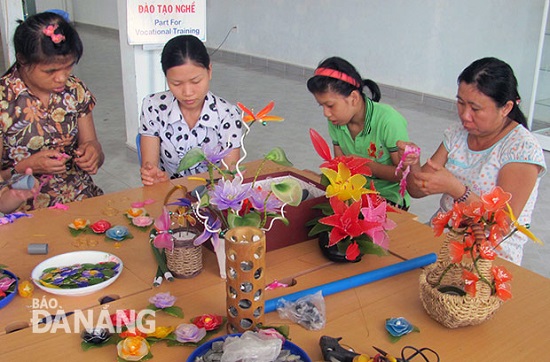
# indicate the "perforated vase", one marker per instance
pixel 453 310
pixel 245 249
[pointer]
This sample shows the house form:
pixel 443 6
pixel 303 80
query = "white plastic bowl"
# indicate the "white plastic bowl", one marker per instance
pixel 77 257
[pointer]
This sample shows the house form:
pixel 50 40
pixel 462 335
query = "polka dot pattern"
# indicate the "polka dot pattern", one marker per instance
pixel 219 123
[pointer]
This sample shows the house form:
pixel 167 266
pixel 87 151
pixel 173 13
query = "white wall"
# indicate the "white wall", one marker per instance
pixel 96 12
pixel 416 45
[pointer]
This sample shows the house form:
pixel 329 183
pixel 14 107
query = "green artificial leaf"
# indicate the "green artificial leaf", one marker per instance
pixel 191 158
pixel 113 340
pixel 250 219
pixel 174 311
pixel 368 247
pixel 278 156
pixel 325 208
pixel 318 228
pixel 288 191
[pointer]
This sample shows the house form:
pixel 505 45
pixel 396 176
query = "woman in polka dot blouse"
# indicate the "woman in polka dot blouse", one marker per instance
pixel 490 147
pixel 186 116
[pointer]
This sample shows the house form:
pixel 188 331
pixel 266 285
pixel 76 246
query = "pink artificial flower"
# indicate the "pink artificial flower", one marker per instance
pixel 164 237
pixel 142 221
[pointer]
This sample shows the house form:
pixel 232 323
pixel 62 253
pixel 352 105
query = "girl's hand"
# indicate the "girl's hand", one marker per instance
pixel 151 175
pixel 89 156
pixel 46 162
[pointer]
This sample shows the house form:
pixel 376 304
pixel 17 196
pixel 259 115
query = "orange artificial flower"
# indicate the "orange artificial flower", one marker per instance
pixel 496 199
pixel 470 280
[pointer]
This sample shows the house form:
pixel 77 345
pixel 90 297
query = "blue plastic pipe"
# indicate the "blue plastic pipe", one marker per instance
pixel 356 280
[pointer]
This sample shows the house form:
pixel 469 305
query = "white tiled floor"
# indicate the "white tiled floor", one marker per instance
pixel 255 86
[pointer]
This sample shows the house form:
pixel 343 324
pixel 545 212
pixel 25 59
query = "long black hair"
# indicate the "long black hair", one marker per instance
pixel 182 49
pixel 322 83
pixel 496 80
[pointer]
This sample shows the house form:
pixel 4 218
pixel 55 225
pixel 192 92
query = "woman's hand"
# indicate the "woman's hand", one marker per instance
pixel 436 179
pixel 412 158
pixel 46 162
pixel 11 199
pixel 151 175
pixel 89 156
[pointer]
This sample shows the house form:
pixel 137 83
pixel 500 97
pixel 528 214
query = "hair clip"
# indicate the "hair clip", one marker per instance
pixel 50 32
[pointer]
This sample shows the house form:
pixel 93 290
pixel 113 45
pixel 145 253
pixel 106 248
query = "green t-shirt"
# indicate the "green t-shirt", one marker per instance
pixel 384 126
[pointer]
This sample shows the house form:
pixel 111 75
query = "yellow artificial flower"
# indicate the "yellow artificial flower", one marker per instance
pixel 521 228
pixel 135 212
pixel 133 348
pixel 161 332
pixel 343 184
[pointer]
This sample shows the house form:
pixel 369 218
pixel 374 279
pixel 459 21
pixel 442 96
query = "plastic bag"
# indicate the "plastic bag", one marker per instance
pixel 249 347
pixel 308 311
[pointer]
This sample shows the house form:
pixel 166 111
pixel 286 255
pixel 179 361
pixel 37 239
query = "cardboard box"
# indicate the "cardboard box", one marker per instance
pixel 281 235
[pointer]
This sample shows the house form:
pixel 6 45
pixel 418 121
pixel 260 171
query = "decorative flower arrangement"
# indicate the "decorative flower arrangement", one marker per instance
pixel 8 285
pixel 231 202
pixel 355 216
pixel 482 226
pixel 135 345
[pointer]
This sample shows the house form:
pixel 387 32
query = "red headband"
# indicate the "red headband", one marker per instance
pixel 332 73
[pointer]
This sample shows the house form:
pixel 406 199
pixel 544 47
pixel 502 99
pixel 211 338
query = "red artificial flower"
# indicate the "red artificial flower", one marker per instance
pixel 496 199
pixel 135 333
pixel 101 226
pixel 495 236
pixel 456 251
pixel 123 317
pixel 209 322
pixel 503 291
pixel 474 210
pixel 470 280
pixel 345 221
pixel 501 274
pixel 457 215
pixel 486 251
pixel 440 221
pixel 352 252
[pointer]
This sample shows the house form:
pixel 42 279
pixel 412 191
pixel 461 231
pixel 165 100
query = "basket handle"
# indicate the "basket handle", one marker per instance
pixel 174 189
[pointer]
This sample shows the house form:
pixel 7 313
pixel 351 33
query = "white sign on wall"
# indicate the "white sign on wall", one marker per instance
pixel 157 21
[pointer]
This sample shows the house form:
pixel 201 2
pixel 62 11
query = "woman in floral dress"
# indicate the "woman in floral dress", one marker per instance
pixel 46 119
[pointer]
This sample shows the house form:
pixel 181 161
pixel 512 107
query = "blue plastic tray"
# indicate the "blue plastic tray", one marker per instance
pixel 203 348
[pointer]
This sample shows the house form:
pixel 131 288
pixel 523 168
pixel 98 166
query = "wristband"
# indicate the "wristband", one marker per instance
pixel 464 196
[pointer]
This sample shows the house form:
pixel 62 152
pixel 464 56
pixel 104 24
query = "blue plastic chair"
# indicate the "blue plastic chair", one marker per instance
pixel 138 147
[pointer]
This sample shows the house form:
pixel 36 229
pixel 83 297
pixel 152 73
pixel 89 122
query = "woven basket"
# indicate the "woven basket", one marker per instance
pixel 185 259
pixel 452 310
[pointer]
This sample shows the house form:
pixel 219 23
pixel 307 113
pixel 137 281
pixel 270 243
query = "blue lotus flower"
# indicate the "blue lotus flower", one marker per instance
pixel 117 233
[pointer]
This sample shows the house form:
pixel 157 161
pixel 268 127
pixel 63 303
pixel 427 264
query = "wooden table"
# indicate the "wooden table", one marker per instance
pixel 517 332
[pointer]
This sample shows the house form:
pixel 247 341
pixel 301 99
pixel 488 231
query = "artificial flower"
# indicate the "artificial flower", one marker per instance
pixel 100 227
pixel 210 232
pixel 142 221
pixel 133 348
pixel 343 184
pixel 96 335
pixel 123 318
pixel 209 322
pixel 163 300
pixel 161 332
pixel 398 327
pixel 118 233
pixel 79 224
pixel 261 116
pixel 162 224
pixel 132 333
pixel 25 289
pixel 229 194
pixel 189 333
pixel 378 216
pixel 135 212
pixel 481 227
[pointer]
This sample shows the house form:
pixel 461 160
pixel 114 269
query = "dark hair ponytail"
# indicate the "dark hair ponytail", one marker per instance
pixel 182 49
pixel 496 80
pixel 322 83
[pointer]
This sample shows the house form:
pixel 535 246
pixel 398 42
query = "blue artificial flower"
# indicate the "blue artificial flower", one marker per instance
pixel 117 233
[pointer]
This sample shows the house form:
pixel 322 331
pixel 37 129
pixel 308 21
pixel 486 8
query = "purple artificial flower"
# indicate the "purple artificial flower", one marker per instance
pixel 182 202
pixel 189 333
pixel 263 200
pixel 212 223
pixel 5 283
pixel 162 300
pixel 215 153
pixel 229 194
